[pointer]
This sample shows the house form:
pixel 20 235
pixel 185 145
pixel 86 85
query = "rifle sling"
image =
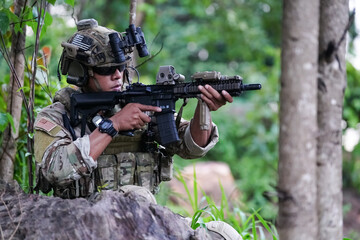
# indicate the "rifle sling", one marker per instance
pixel 178 117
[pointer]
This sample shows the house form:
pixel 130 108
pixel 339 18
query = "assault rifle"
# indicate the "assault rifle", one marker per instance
pixel 170 87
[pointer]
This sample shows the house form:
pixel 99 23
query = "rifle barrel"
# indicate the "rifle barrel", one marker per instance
pixel 248 87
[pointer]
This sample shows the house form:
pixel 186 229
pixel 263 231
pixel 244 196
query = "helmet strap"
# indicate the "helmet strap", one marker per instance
pixel 97 84
pixel 126 77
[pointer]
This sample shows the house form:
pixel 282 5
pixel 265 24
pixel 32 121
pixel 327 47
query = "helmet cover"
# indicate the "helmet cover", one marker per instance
pixel 89 46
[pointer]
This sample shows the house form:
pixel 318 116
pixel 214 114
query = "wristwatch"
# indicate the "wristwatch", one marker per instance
pixel 106 126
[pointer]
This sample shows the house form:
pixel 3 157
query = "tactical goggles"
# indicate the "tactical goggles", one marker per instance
pixel 108 70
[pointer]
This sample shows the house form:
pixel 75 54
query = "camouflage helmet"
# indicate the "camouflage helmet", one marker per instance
pixel 89 47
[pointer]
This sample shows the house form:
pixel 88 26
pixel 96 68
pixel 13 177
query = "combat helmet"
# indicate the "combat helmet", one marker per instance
pixel 87 49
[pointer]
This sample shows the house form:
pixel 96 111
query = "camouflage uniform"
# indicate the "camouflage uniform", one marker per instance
pixel 65 165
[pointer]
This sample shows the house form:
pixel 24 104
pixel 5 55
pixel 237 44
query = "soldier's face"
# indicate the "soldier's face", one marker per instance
pixel 106 83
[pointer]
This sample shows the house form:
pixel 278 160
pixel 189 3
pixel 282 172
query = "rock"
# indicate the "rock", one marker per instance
pixel 114 216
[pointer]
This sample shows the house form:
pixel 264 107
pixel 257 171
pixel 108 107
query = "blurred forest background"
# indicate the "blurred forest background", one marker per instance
pixel 235 37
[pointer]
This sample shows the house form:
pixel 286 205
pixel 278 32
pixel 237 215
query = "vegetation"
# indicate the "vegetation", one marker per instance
pixel 250 226
pixel 234 37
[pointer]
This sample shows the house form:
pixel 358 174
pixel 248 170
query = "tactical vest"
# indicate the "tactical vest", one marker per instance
pixel 124 162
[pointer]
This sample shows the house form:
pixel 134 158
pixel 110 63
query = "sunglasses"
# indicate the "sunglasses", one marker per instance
pixel 108 70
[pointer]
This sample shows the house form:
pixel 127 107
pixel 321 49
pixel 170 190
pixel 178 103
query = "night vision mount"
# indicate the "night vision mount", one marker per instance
pixel 122 44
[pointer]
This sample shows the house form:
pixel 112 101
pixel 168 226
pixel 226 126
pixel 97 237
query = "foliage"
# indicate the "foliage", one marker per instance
pixel 351 163
pixel 30 16
pixel 352 97
pixel 248 225
pixel 5 120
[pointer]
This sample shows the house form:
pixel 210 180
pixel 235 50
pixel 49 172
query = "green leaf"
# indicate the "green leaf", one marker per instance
pixel 4 22
pixel 47 22
pixel 42 67
pixel 182 180
pixel 7 3
pixel 70 2
pixel 48 19
pixel 5 119
pixel 11 121
pixel 195 190
pixel 195 219
pixel 31 135
pixel 11 18
pixel 23 89
pixel 51 1
pixel 254 228
pixel 265 224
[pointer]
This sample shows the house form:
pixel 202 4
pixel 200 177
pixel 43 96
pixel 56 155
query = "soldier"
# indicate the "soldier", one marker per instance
pixel 79 166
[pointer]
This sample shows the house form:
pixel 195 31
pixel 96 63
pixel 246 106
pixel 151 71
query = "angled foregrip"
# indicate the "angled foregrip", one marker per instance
pixel 204 116
pixel 167 128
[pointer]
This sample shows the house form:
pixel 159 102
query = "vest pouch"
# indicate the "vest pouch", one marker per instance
pixel 41 182
pixel 125 168
pixel 166 167
pixel 146 170
pixel 107 172
pixel 82 187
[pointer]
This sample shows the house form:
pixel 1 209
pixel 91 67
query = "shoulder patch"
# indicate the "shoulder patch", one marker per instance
pixel 45 124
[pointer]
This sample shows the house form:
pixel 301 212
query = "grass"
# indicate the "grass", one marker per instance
pixel 248 225
pixel 251 226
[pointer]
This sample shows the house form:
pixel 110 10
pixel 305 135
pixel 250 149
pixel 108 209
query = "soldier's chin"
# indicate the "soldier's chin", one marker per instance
pixel 116 89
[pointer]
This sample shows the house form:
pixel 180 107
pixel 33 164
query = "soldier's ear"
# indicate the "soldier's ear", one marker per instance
pixel 77 74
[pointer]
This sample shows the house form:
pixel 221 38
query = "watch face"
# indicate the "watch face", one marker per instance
pixel 106 124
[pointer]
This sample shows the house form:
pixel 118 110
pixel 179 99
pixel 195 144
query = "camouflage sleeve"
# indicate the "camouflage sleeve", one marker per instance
pixel 195 149
pixel 186 147
pixel 61 159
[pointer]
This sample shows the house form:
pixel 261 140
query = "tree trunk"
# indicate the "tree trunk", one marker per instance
pixel 331 87
pixel 298 125
pixel 8 148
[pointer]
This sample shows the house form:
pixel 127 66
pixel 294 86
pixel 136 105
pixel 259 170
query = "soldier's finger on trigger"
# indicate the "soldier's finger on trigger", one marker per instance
pixel 144 117
pixel 145 108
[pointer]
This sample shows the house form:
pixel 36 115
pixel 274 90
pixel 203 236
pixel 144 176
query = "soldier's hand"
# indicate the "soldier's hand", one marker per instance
pixel 132 116
pixel 213 98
